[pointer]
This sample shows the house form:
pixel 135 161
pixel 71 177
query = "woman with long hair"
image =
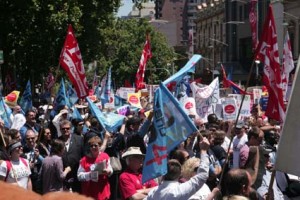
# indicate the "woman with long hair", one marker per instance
pixel 45 141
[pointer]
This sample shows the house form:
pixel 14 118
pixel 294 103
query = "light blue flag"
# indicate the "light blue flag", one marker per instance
pixel 5 113
pixel 61 99
pixel 26 100
pixel 107 89
pixel 171 127
pixel 120 101
pixel 76 114
pixel 109 121
pixel 72 95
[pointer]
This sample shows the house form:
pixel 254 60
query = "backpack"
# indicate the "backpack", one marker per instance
pixel 9 166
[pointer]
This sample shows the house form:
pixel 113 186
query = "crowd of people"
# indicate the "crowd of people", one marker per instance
pixel 223 160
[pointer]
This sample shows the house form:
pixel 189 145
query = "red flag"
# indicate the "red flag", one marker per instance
pixel 287 65
pixel 146 55
pixel 225 80
pixel 71 62
pixel 253 23
pixel 267 52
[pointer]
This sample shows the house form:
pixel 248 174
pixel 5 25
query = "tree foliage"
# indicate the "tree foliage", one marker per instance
pixel 33 32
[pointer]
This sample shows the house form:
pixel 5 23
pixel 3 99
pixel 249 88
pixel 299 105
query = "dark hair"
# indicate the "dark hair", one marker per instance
pixel 174 170
pixel 235 181
pixel 178 155
pixel 12 133
pixel 42 132
pixel 212 119
pixel 29 111
pixel 219 137
pixel 57 146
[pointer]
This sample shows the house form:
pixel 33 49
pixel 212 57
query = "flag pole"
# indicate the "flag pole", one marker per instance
pixel 236 121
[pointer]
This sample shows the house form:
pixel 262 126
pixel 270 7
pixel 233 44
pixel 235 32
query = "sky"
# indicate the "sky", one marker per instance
pixel 125 8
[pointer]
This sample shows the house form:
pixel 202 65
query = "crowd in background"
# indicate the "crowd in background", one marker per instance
pixel 58 153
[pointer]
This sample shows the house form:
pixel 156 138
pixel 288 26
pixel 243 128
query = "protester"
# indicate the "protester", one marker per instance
pixel 30 124
pixel 131 186
pixel 61 116
pixel 52 173
pixel 237 182
pixel 94 170
pixel 72 154
pixel 16 170
pixel 238 142
pixel 35 159
pixel 44 146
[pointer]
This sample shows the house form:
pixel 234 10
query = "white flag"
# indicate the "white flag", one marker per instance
pixel 288 64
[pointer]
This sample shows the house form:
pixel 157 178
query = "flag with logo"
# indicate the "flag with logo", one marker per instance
pixel 146 55
pixel 287 65
pixel 71 62
pixel 26 99
pixel 236 89
pixel 12 98
pixel 267 53
pixel 134 99
pixel 61 99
pixel 171 126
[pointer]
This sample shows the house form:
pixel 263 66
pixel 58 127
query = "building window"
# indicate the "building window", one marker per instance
pixel 240 13
pixel 246 11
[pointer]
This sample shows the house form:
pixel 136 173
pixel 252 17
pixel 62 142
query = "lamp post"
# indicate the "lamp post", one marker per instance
pixel 257 62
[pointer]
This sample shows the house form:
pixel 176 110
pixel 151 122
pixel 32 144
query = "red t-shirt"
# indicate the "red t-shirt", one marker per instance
pixel 130 182
pixel 98 190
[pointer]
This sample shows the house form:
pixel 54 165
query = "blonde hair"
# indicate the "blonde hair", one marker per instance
pixel 188 168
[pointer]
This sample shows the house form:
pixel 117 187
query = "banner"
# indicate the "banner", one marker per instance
pixel 71 94
pixel 26 99
pixel 289 144
pixel 71 61
pixel 206 98
pixel 122 92
pixel 246 107
pixel 257 93
pixel 230 109
pixel 189 106
pixel 123 110
pixel 171 127
pixel 253 23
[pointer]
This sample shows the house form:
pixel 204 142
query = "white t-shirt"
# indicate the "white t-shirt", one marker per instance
pixel 19 169
pixel 237 144
pixel 202 194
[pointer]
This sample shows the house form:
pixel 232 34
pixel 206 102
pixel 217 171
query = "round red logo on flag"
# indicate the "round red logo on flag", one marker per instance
pixel 189 105
pixel 111 99
pixel 133 99
pixel 229 109
pixel 11 97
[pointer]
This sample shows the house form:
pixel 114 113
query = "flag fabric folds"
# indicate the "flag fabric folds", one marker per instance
pixel 26 99
pixel 71 62
pixel 5 113
pixel 61 99
pixel 236 89
pixel 72 95
pixel 146 55
pixel 171 127
pixel 109 121
pixel 287 65
pixel 267 53
pixel 105 96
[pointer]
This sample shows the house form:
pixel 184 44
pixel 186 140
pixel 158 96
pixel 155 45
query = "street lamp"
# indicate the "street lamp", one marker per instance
pixel 257 62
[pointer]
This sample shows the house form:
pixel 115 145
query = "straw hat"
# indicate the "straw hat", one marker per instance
pixel 132 151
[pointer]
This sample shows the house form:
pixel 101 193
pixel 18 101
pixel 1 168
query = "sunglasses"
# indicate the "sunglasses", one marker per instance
pixel 47 133
pixel 94 145
pixel 67 128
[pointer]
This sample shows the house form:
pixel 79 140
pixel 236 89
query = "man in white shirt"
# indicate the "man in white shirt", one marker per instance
pixel 172 189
